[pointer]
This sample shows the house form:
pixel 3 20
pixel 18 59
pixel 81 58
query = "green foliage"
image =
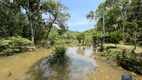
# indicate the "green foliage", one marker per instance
pixel 7 51
pixel 115 37
pixel 42 43
pixel 20 18
pixel 58 55
pixel 91 15
pixel 132 65
pixel 121 15
pixel 80 37
pixel 127 38
pixel 140 43
pixel 20 41
pixel 115 55
pixel 131 62
pixel 13 44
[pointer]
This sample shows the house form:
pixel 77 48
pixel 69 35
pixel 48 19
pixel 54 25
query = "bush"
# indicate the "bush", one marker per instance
pixel 127 38
pixel 140 43
pixel 114 37
pixel 58 55
pixel 43 43
pixel 20 41
pixel 80 37
pixel 131 62
pixel 13 45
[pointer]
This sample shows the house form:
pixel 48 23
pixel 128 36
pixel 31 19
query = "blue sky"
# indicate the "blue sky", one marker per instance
pixel 78 10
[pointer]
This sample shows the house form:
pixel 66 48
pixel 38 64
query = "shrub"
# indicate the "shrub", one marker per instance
pixel 13 44
pixel 80 37
pixel 58 55
pixel 140 43
pixel 42 43
pixel 20 41
pixel 7 51
pixel 131 62
pixel 127 38
pixel 115 37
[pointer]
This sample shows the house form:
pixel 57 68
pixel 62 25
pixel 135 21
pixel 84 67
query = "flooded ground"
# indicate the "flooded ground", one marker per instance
pixel 16 67
pixel 83 64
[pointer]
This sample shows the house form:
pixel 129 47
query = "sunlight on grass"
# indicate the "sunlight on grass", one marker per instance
pixel 123 46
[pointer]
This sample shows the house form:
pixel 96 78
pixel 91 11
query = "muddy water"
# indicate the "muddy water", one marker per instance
pixel 83 64
pixel 16 67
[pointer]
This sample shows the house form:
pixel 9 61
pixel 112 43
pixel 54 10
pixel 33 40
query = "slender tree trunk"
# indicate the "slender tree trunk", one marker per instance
pixel 31 23
pixel 32 32
pixel 102 47
pixel 135 37
pixel 32 29
pixel 49 30
pixel 103 29
pixel 135 41
pixel 123 32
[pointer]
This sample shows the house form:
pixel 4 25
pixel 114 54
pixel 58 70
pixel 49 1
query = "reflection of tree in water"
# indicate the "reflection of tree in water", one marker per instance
pixel 81 51
pixel 59 71
pixel 56 71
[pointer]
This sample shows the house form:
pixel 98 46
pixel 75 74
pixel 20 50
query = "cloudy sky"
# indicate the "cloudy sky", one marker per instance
pixel 78 10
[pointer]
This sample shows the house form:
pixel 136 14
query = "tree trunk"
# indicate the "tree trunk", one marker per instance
pixel 50 27
pixel 102 47
pixel 123 33
pixel 135 37
pixel 32 30
pixel 135 44
pixel 103 29
pixel 49 30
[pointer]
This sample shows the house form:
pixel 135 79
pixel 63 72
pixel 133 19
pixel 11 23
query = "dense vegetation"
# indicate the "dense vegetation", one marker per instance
pixel 119 21
pixel 31 20
pixel 25 24
pixel 14 45
pixel 25 18
pixel 121 17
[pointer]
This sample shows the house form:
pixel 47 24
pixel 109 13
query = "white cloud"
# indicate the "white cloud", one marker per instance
pixel 79 22
pixel 78 19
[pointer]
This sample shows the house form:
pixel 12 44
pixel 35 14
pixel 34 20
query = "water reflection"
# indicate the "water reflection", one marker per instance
pixel 76 68
pixel 85 51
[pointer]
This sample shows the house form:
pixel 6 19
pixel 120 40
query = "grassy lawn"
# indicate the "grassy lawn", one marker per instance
pixel 123 46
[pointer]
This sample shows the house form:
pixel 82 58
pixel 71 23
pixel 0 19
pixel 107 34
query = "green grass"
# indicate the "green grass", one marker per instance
pixel 123 46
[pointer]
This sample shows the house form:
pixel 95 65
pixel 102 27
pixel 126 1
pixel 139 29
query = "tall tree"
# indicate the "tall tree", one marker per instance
pixel 57 14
